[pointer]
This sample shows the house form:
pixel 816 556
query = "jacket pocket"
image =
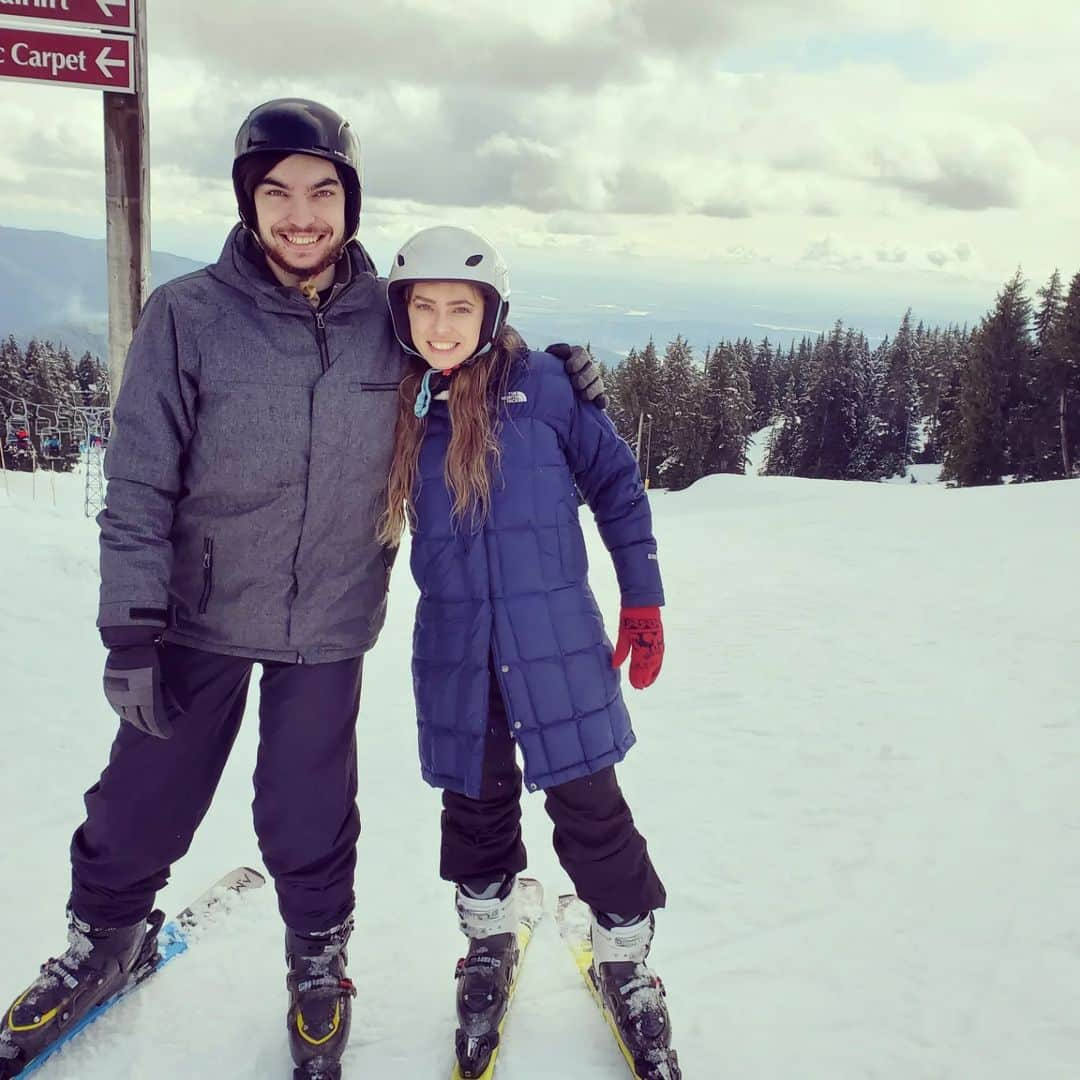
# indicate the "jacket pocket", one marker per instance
pixel 208 574
pixel 365 387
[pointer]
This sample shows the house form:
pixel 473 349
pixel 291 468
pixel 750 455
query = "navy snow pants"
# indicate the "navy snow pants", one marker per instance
pixel 595 838
pixel 143 812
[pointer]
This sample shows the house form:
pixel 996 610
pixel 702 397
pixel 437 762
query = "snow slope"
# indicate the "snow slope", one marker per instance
pixel 757 449
pixel 857 774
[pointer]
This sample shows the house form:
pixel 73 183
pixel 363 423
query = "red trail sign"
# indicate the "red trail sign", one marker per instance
pixel 96 14
pixel 97 61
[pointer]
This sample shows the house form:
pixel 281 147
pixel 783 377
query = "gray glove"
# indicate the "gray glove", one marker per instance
pixel 583 371
pixel 133 681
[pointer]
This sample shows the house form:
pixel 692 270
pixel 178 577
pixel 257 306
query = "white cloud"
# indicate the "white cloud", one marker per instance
pixel 942 258
pixel 611 128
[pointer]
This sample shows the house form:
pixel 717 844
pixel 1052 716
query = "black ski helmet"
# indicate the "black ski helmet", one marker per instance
pixel 297 126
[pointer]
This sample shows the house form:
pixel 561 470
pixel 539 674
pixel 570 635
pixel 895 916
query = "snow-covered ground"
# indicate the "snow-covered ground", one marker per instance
pixel 757 449
pixel 857 774
pixel 918 474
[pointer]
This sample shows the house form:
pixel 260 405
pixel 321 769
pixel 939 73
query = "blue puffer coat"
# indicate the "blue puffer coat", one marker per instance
pixel 515 591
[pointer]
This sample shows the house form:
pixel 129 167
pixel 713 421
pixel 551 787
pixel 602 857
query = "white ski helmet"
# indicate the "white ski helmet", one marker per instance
pixel 447 253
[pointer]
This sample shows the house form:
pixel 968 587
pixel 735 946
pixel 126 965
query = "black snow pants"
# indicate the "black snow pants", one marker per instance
pixel 595 838
pixel 143 812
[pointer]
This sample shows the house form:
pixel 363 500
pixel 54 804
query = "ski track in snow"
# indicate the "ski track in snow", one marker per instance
pixel 856 774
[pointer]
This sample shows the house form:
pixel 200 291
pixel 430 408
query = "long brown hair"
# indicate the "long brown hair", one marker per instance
pixel 476 394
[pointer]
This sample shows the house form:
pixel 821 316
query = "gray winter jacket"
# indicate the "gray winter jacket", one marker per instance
pixel 247 466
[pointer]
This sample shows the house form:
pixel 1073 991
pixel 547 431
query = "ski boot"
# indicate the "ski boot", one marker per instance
pixel 98 965
pixel 320 1001
pixel 485 975
pixel 633 995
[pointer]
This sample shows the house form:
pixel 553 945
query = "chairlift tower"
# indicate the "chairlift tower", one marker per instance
pixel 96 424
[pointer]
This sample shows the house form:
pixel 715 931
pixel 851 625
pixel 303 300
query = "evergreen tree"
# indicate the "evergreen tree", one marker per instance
pixel 1069 382
pixel 898 404
pixel 784 365
pixel 1029 420
pixel 675 435
pixel 947 428
pixel 941 353
pixel 1036 436
pixel 635 392
pixel 762 373
pixel 58 441
pixel 867 372
pixel 10 363
pixel 33 373
pixel 783 456
pixel 648 387
pixel 92 381
pixel 829 420
pixel 1000 348
pixel 729 410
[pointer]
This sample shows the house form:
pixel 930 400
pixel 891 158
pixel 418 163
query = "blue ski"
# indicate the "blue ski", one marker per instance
pixel 172 941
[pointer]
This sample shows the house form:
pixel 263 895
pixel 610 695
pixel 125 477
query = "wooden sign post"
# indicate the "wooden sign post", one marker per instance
pixel 127 204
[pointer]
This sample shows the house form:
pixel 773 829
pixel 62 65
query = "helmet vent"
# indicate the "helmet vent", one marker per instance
pixel 474 260
pixel 401 260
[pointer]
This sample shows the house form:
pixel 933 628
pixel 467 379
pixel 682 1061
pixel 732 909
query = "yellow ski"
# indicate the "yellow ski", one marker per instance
pixel 531 907
pixel 574 920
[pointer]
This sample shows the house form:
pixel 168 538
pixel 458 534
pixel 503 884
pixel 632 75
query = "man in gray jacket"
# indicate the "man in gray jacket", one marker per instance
pixel 247 469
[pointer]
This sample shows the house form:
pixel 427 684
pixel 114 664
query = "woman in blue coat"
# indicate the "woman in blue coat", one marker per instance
pixel 492 450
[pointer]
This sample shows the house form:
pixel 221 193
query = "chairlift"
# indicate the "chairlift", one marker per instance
pixel 45 417
pixel 19 454
pixel 20 418
pixel 50 443
pixel 66 421
pixel 17 434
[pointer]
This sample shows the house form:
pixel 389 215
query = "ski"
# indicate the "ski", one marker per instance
pixel 531 908
pixel 574 919
pixel 173 939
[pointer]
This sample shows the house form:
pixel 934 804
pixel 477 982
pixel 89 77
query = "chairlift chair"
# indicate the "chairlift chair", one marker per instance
pixel 20 418
pixel 50 442
pixel 16 432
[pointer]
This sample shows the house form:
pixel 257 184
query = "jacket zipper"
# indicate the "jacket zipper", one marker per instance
pixel 324 360
pixel 208 574
pixel 320 335
pixel 320 325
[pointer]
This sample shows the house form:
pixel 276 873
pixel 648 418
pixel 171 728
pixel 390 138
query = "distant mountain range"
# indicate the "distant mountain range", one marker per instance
pixel 53 286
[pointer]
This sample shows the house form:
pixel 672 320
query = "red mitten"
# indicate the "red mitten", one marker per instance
pixel 641 636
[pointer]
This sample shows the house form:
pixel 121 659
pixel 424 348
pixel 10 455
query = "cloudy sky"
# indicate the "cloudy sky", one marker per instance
pixel 934 142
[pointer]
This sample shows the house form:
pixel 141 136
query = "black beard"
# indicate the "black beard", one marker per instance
pixel 304 273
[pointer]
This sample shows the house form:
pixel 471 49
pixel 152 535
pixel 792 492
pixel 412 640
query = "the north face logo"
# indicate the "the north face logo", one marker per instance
pixel 515 397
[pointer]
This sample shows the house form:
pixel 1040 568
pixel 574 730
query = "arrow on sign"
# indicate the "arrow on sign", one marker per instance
pixel 107 5
pixel 105 64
